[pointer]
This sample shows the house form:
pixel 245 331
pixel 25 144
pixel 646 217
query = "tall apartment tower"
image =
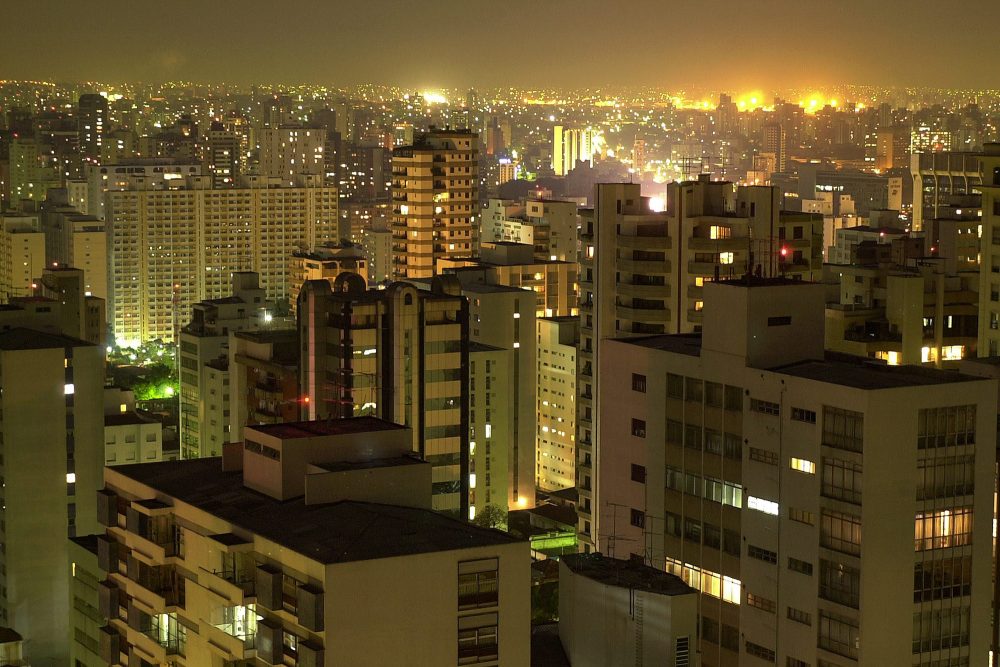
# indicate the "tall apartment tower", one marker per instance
pixel 222 155
pixel 643 272
pixel 570 145
pixel 400 354
pixel 171 248
pixel 832 510
pixel 555 398
pixel 289 150
pixel 92 126
pixel 435 200
pixel 989 256
pixel 773 142
pixel 51 461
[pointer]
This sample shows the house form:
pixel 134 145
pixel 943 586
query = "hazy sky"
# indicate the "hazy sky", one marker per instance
pixel 713 43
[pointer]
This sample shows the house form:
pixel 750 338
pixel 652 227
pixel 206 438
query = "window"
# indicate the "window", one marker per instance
pixel 760 553
pixel 801 516
pixel 675 386
pixel 799 616
pixel 841 532
pixel 762 505
pixel 839 635
pixel 639 428
pixel 942 579
pixel 478 583
pixel 839 583
pixel 764 407
pixel 759 651
pixel 940 629
pixel 763 456
pixel 725 258
pixel 783 321
pixel 639 383
pixel 945 477
pixel 675 432
pixel 693 390
pixel 941 529
pixel 946 427
pixel 638 518
pixel 477 639
pixel 714 394
pixel 692 530
pixel 733 398
pixel 800 566
pixel 759 602
pixel 802 465
pixel 843 429
pixel 841 480
pixel 803 415
pixel 638 473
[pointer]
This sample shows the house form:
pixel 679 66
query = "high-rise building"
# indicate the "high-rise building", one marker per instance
pixel 941 180
pixel 22 254
pixel 644 273
pixel 323 263
pixel 377 245
pixel 400 354
pixel 492 417
pixel 773 142
pixel 172 248
pixel 569 146
pixel 551 226
pixel 92 120
pixel 435 186
pixel 555 398
pixel 222 156
pixel 892 149
pixel 263 375
pixel 52 443
pixel 203 352
pixel 305 544
pixel 989 262
pixel 830 509
pixel 290 150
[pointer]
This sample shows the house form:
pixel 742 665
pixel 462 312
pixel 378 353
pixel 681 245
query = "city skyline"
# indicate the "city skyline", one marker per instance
pixel 760 45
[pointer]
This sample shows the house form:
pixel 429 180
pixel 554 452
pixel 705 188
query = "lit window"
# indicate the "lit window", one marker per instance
pixel 762 505
pixel 472 480
pixel 122 408
pixel 69 388
pixel 698 305
pixel 803 465
pixel 699 282
pixel 71 478
pixel 725 258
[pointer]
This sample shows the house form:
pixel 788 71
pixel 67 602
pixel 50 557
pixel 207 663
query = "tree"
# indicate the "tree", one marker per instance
pixel 491 516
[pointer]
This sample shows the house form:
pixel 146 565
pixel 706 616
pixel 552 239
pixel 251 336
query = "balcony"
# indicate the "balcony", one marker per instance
pixel 642 314
pixel 645 242
pixel 645 267
pixel 717 245
pixel 645 291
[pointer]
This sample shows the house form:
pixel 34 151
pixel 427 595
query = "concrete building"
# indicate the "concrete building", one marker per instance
pixel 553 282
pixel 492 418
pixel 287 151
pixel 203 352
pixel 830 509
pixel 377 246
pixel 555 399
pixel 569 146
pixel 773 142
pixel 619 613
pixel 435 185
pixel 84 603
pixel 644 272
pixel 130 436
pixel 550 226
pixel 223 156
pixel 79 313
pixel 200 236
pixel 263 373
pixel 941 180
pixel 400 354
pixel 323 263
pixel 989 255
pixel 51 456
pixel 22 254
pixel 92 121
pixel 304 547
pixel 138 173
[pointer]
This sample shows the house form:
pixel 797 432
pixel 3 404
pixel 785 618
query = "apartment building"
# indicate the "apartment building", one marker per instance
pixel 171 248
pixel 832 510
pixel 323 263
pixel 555 402
pixel 203 357
pixel 51 456
pixel 22 254
pixel 942 180
pixel 400 354
pixel 550 226
pixel 644 272
pixel 435 185
pixel 301 546
pixel 989 256
pixel 263 375
pixel 287 151
pixel 492 418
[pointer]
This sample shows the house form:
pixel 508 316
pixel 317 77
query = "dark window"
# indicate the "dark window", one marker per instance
pixel 800 566
pixel 783 321
pixel 638 519
pixel 639 428
pixel 638 383
pixel 638 473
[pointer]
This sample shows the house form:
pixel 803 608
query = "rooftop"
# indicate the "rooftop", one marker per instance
pixel 311 429
pixel 21 338
pixel 625 574
pixel 339 532
pixel 689 344
pixel 863 373
pixel 127 419
pixel 389 462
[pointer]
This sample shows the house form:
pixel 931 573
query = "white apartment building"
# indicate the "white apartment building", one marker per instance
pixel 832 510
pixel 555 398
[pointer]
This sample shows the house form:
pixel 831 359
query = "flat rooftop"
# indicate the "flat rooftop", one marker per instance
pixel 689 344
pixel 269 335
pixel 863 373
pixel 311 429
pixel 367 464
pixel 337 532
pixel 22 338
pixel 625 574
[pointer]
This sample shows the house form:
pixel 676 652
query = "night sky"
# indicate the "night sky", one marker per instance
pixel 557 43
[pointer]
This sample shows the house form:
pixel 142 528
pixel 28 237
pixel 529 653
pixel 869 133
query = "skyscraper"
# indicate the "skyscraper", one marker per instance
pixel 773 142
pixel 92 123
pixel 435 199
pixel 570 145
